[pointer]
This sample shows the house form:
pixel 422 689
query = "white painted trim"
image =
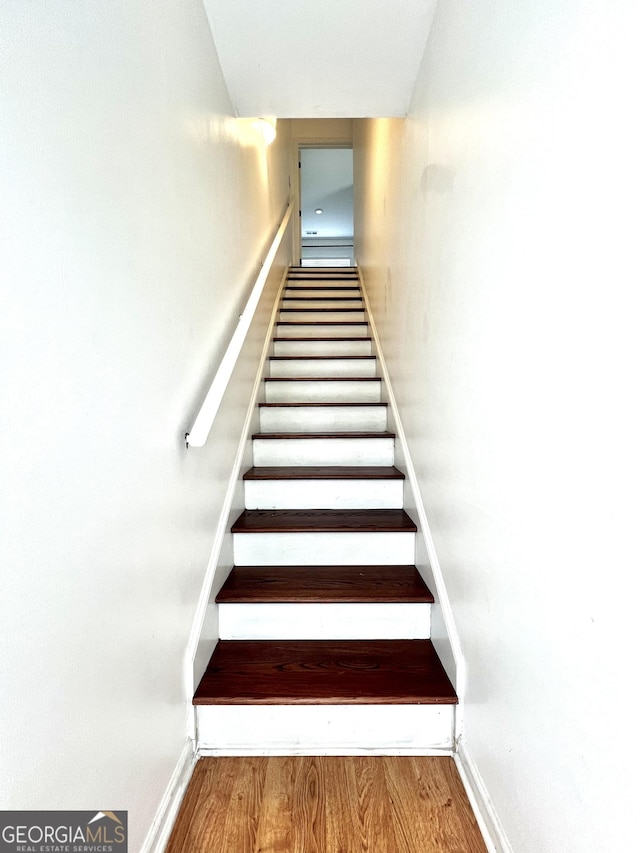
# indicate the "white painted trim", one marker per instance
pixel 223 520
pixel 492 831
pixel 325 729
pixel 165 817
pixel 313 141
pixel 222 752
pixel 201 428
pixel 442 596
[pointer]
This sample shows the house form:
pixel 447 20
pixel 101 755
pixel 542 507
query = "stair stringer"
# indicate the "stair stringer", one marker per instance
pixel 444 634
pixel 204 632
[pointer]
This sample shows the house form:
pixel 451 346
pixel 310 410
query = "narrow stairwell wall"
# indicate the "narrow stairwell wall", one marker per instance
pixel 135 212
pixel 496 228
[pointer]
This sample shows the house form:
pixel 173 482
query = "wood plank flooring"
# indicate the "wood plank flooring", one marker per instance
pixel 307 804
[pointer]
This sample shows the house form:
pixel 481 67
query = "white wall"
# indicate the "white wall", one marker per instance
pixel 295 58
pixel 134 214
pixel 498 227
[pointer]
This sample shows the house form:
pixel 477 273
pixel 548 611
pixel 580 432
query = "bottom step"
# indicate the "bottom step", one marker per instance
pixel 324 697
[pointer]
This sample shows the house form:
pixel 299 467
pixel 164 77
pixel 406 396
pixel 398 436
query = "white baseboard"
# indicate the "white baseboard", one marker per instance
pixel 488 821
pixel 338 752
pixel 160 830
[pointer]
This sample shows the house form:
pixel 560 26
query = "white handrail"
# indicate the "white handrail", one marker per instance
pixel 209 409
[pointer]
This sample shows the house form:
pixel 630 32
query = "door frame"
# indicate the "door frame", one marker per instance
pixel 298 144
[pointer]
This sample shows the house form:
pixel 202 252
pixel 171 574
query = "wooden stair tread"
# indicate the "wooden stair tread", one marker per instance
pixel 320 357
pixel 324 472
pixel 330 267
pixel 322 323
pixel 320 299
pixel 346 285
pixel 347 281
pixel 324 584
pixel 323 277
pixel 303 275
pixel 323 379
pixel 314 404
pixel 325 339
pixel 323 520
pixel 349 672
pixel 308 435
pixel 321 310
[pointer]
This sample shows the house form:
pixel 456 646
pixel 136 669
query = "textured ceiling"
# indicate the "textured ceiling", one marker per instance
pixel 320 58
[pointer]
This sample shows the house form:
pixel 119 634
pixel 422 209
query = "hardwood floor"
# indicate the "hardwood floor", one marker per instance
pixel 309 804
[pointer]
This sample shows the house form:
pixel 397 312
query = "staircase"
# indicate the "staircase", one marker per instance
pixel 324 620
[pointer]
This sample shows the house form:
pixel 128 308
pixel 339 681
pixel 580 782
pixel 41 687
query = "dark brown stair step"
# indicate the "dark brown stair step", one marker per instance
pixel 324 584
pixel 276 435
pixel 322 323
pixel 312 404
pixel 320 273
pixel 324 472
pixel 323 520
pixel 341 340
pixel 320 299
pixel 323 379
pixel 311 672
pixel 322 276
pixel 350 278
pixel 330 286
pixel 319 357
pixel 330 267
pixel 302 275
pixel 321 310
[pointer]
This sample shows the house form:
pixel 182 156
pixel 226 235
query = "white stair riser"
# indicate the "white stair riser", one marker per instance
pixel 323 367
pixel 323 494
pixel 324 729
pixel 324 548
pixel 304 331
pixel 324 419
pixel 320 347
pixel 299 304
pixel 323 451
pixel 313 292
pixel 350 390
pixel 314 621
pixel 309 316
